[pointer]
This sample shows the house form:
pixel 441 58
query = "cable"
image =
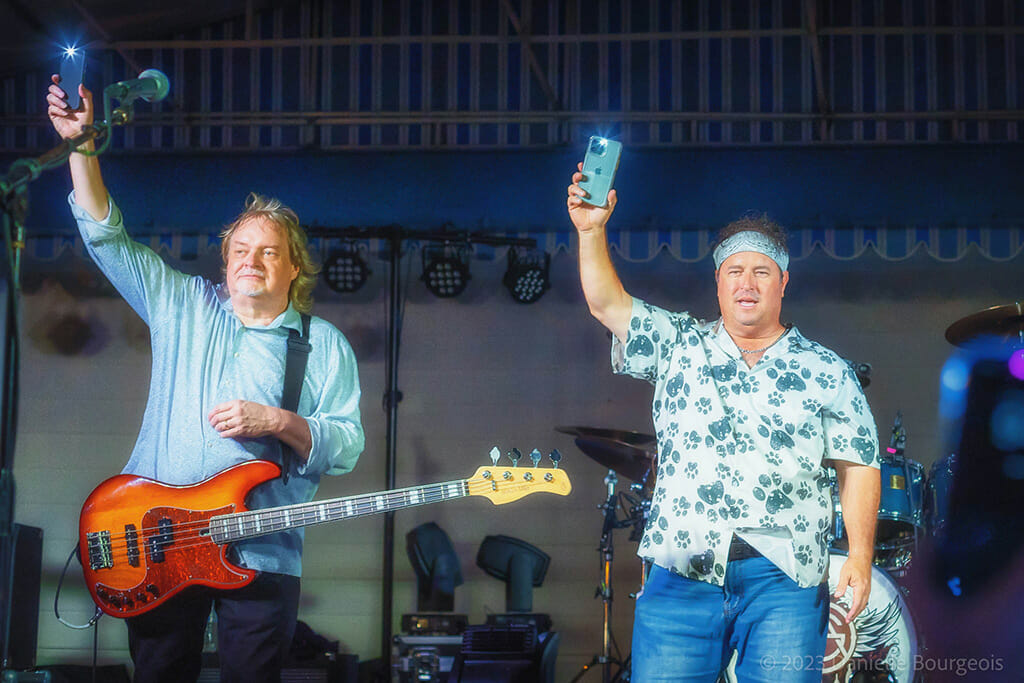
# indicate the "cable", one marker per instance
pixel 56 598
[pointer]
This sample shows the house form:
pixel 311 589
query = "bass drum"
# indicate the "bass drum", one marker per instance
pixel 881 642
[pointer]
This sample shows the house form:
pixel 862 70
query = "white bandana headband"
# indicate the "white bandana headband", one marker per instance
pixel 750 240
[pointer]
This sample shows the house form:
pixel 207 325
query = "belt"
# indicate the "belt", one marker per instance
pixel 741 550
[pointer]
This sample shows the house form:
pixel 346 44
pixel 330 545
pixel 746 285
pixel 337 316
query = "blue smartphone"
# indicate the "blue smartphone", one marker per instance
pixel 72 69
pixel 599 166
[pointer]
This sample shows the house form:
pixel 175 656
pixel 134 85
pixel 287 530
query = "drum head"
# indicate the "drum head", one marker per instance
pixel 882 638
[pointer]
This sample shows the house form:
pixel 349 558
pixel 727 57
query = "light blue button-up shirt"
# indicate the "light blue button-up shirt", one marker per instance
pixel 203 355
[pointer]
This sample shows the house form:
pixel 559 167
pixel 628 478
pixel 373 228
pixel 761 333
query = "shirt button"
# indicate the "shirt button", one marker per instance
pixel 236 354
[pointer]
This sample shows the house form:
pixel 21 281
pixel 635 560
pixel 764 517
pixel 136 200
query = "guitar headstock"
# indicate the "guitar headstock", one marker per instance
pixel 502 485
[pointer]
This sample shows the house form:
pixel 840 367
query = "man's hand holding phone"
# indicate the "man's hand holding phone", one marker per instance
pixel 584 215
pixel 68 121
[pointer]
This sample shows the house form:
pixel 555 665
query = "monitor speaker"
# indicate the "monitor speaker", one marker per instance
pixel 19 599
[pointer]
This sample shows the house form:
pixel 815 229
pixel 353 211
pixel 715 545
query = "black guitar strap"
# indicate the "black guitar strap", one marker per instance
pixel 294 372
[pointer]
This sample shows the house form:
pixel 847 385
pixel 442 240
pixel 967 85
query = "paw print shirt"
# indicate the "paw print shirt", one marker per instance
pixel 741 448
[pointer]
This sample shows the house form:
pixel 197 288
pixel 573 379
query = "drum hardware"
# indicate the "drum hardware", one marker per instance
pixel 900 520
pixel 628 454
pixel 862 372
pixel 604 590
pixel 900 516
pixel 936 501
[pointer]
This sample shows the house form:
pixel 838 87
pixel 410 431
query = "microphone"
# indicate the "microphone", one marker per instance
pixel 897 439
pixel 151 85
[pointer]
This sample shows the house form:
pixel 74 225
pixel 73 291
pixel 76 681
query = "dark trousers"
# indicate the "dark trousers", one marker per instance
pixel 255 625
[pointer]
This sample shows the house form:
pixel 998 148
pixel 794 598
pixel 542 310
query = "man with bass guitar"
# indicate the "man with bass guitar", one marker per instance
pixel 216 390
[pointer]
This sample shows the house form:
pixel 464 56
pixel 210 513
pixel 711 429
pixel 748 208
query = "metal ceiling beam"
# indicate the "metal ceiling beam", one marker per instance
pixel 571 38
pixel 531 58
pixel 813 36
pixel 102 32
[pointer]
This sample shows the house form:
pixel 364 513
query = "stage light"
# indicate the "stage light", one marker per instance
pixel 520 565
pixel 345 269
pixel 70 51
pixel 436 565
pixel 527 276
pixel 446 270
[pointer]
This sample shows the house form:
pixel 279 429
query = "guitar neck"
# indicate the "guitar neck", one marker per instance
pixel 253 523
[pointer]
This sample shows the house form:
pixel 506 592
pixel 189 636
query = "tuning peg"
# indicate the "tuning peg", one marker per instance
pixel 556 457
pixel 495 456
pixel 514 455
pixel 535 456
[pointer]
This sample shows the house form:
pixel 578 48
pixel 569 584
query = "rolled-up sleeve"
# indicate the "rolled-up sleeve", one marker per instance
pixel 334 420
pixel 146 282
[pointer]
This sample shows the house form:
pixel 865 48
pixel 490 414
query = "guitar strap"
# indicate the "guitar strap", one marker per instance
pixel 294 372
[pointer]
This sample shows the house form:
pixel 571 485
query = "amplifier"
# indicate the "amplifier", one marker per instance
pixel 442 624
pixel 418 658
pixel 19 595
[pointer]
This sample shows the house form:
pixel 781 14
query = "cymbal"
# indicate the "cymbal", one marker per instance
pixel 629 438
pixel 630 454
pixel 1004 323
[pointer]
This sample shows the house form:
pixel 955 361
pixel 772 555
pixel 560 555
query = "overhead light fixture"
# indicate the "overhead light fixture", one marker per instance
pixel 345 269
pixel 446 269
pixel 528 275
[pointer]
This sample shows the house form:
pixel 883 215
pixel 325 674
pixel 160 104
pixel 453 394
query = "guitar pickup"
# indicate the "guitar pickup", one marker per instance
pixel 131 538
pixel 101 554
pixel 158 542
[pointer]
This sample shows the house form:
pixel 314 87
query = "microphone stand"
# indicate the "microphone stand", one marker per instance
pixel 14 205
pixel 604 590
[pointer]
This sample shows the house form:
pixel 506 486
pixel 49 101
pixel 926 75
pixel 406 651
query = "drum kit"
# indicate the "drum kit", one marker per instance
pixel 881 643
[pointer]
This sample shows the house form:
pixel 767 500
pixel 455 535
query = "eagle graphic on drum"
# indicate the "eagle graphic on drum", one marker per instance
pixel 881 639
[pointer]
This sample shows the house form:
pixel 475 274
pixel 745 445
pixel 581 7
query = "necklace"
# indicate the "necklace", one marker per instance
pixel 764 348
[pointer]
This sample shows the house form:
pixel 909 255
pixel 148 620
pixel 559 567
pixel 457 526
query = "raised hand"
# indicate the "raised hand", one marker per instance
pixel 66 121
pixel 585 216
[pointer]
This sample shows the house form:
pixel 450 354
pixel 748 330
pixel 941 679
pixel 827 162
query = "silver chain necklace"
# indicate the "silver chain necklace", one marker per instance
pixel 764 348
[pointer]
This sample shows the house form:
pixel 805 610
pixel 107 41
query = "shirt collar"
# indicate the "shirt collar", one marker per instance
pixel 791 340
pixel 289 318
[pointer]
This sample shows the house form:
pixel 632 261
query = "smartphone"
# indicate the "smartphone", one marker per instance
pixel 599 166
pixel 72 69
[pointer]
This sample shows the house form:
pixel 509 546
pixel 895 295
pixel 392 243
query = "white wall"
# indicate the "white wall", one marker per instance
pixel 475 371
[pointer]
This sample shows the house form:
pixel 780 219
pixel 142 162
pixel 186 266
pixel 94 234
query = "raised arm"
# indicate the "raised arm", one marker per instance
pixel 90 192
pixel 607 298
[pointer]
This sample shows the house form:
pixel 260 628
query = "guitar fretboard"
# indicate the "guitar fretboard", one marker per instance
pixel 242 525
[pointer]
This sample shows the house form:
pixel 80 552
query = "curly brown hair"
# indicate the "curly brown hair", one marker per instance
pixel 300 294
pixel 755 222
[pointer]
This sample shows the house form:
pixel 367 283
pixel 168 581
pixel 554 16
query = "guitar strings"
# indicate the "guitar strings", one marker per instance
pixel 473 488
pixel 297 511
pixel 187 535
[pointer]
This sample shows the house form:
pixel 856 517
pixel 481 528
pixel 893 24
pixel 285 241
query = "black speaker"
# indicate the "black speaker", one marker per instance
pixel 19 596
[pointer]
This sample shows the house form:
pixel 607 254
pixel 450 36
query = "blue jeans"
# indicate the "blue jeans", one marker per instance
pixel 686 630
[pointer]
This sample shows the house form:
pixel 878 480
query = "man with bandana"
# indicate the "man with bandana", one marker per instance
pixel 746 411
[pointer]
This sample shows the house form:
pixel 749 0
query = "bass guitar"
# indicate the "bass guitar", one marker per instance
pixel 142 541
